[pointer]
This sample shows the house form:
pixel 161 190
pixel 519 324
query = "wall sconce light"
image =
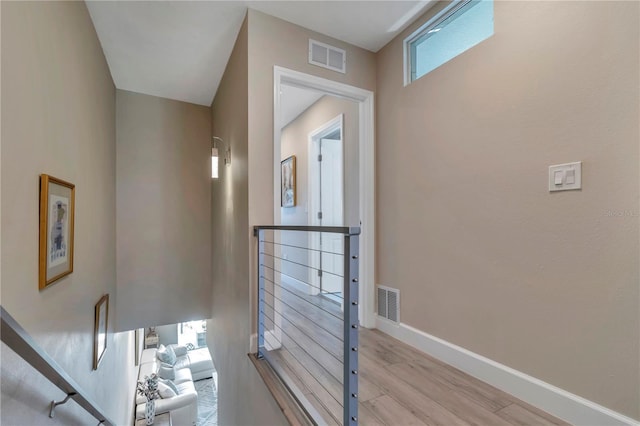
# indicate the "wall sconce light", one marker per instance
pixel 214 156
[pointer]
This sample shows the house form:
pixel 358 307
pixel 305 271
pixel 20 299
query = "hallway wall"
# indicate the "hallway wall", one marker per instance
pixel 243 398
pixel 295 141
pixel 163 214
pixel 58 118
pixel 273 41
pixel 546 283
pixel 242 114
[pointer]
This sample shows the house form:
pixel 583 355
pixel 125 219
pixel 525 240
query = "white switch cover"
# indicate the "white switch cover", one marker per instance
pixel 564 177
pixel 558 177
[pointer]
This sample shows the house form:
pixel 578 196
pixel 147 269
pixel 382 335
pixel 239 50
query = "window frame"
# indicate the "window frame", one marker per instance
pixel 433 22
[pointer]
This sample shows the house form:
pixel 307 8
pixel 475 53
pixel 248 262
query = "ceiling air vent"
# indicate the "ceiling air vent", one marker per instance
pixel 389 303
pixel 327 56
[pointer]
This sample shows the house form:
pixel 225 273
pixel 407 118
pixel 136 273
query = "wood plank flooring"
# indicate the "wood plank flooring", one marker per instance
pixel 398 385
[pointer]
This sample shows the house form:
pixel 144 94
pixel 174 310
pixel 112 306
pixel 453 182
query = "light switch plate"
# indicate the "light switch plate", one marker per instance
pixel 574 169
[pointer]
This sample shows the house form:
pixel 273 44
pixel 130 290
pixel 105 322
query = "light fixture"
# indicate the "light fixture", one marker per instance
pixel 214 156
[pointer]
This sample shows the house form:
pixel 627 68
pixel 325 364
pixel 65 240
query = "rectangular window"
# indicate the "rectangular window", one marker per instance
pixel 193 334
pixel 459 27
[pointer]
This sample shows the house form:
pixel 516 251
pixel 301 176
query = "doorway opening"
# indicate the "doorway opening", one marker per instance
pixel 358 181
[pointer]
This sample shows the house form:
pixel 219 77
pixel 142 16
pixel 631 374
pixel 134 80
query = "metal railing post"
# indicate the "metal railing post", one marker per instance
pixel 350 378
pixel 301 336
pixel 261 294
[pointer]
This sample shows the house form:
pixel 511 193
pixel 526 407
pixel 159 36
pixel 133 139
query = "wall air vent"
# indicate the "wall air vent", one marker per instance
pixel 389 303
pixel 326 56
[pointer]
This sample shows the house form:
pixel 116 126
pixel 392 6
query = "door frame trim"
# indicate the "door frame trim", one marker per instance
pixel 312 184
pixel 366 148
pixel 314 135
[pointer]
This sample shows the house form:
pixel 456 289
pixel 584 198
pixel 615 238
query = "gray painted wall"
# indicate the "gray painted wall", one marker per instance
pixel 58 117
pixel 163 214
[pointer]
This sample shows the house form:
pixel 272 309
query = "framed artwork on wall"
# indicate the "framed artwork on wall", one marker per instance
pixel 57 210
pixel 100 330
pixel 288 182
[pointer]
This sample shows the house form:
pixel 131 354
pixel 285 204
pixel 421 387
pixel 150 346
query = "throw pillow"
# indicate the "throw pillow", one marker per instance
pixel 179 350
pixel 166 354
pixel 161 351
pixel 166 371
pixel 170 384
pixel 172 355
pixel 165 391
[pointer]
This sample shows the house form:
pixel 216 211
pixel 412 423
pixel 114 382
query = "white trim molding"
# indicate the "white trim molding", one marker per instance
pixel 300 285
pixel 366 148
pixel 555 401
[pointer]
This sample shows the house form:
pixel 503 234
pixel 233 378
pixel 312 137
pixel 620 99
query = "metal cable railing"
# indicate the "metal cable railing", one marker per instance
pixel 308 315
pixel 16 338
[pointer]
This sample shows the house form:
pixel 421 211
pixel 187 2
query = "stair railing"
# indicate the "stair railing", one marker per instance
pixel 16 338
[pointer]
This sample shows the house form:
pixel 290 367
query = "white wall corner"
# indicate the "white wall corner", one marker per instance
pixel 558 402
pixel 253 343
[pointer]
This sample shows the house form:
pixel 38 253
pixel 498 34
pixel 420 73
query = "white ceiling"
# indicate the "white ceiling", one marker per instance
pixel 294 101
pixel 179 49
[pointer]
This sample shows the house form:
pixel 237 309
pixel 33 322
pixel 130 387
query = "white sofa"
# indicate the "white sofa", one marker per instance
pixel 189 366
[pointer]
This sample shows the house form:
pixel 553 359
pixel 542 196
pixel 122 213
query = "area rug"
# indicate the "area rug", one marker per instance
pixel 207 402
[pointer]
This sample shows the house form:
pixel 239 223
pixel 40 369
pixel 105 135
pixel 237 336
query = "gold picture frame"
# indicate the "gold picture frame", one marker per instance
pixel 57 212
pixel 288 196
pixel 100 329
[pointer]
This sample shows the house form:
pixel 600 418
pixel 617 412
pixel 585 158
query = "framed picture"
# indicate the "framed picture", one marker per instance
pixel 288 182
pixel 57 208
pixel 100 330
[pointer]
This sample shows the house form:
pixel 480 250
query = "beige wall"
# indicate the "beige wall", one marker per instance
pixel 58 117
pixel 276 42
pixel 163 210
pixel 242 398
pixel 544 283
pixel 243 196
pixel 295 141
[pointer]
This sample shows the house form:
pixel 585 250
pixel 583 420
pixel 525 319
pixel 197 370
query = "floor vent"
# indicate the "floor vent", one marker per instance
pixel 389 303
pixel 327 56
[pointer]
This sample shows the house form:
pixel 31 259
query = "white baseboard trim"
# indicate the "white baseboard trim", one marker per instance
pixel 558 402
pixel 300 285
pixel 272 340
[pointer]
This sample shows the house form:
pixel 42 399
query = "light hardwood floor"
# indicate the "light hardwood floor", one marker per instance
pixel 398 385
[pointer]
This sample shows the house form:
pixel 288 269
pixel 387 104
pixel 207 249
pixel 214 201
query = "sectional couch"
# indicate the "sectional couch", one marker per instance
pixel 188 366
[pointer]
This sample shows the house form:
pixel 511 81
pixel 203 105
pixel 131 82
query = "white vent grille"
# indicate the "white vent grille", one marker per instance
pixel 326 56
pixel 389 303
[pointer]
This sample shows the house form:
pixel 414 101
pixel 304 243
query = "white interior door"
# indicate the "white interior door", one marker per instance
pixel 332 213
